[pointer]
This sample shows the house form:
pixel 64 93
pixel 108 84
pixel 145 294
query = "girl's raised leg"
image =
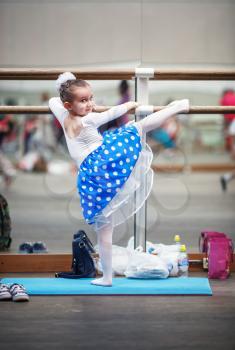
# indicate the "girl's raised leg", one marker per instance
pixel 155 120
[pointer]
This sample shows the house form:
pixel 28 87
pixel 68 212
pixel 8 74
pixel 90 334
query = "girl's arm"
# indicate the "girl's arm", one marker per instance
pixel 57 108
pixel 97 119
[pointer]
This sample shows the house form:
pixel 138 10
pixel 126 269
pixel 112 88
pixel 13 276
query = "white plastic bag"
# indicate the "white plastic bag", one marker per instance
pixel 138 264
pixel 171 260
pixel 164 249
pixel 130 245
pixel 145 265
pixel 120 258
pixel 168 253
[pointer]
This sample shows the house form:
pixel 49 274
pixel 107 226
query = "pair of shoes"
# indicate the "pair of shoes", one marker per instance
pixel 36 247
pixel 15 291
pixel 223 183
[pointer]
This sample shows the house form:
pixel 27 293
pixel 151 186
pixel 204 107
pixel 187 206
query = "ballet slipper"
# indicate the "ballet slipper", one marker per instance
pixel 102 282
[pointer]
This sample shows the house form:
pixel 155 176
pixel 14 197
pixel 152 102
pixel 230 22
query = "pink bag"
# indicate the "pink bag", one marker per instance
pixel 219 249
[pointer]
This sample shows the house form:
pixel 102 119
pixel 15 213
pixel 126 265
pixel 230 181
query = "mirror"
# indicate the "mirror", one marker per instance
pixel 44 205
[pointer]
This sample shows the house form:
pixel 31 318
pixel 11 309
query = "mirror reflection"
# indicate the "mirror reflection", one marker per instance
pixel 38 176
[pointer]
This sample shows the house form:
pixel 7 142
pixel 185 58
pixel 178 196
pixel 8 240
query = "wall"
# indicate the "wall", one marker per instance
pixel 75 33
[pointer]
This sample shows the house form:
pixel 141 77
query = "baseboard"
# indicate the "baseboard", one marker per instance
pixel 62 262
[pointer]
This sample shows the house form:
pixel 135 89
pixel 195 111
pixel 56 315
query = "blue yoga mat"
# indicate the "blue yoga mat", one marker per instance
pixel 121 286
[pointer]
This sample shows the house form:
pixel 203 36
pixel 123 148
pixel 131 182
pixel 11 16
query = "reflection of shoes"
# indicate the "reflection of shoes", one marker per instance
pixel 5 292
pixel 18 292
pixel 223 183
pixel 26 247
pixel 39 247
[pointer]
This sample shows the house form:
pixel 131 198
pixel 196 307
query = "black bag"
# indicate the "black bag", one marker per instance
pixel 5 224
pixel 82 263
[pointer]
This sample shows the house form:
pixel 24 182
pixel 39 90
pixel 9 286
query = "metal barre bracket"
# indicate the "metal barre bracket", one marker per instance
pixel 144 72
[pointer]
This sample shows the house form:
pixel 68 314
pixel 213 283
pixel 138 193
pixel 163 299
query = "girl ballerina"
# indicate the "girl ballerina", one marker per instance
pixel 112 166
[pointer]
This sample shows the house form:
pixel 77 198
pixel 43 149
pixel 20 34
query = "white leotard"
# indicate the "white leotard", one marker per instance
pixel 89 138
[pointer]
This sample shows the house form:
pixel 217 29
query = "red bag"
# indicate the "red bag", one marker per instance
pixel 219 249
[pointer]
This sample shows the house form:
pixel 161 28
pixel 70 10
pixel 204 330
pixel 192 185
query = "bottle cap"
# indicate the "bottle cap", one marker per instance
pixel 177 238
pixel 183 248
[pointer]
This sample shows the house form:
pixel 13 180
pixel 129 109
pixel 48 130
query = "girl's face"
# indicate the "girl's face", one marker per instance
pixel 83 102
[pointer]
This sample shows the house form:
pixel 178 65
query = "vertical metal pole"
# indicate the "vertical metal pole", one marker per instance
pixel 136 240
pixel 140 218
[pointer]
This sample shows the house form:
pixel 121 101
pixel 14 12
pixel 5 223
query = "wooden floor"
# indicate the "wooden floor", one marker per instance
pixel 122 322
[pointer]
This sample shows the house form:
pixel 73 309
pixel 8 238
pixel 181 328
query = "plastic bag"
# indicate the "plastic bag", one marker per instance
pixel 169 254
pixel 138 264
pixel 164 249
pixel 120 258
pixel 130 245
pixel 171 259
pixel 145 265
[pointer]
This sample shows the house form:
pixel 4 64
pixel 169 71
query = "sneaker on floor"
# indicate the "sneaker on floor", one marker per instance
pixel 18 292
pixel 26 247
pixel 39 247
pixel 5 292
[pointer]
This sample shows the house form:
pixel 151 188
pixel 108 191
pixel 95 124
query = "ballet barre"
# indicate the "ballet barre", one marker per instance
pixel 117 74
pixel 142 109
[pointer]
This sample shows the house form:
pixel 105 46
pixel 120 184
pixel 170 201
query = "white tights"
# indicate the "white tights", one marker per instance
pixel 105 233
pixel 155 120
pixel 104 238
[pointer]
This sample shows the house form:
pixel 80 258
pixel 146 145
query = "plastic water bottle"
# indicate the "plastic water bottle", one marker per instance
pixel 177 240
pixel 183 262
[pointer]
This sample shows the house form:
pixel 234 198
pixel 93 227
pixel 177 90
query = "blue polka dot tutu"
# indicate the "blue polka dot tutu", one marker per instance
pixel 108 177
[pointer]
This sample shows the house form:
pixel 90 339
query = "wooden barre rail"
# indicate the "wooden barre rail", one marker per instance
pixel 115 74
pixel 46 110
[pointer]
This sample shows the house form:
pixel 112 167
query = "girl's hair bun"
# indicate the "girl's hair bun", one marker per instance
pixel 63 78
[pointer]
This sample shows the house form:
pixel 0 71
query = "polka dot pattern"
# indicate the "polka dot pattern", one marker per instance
pixel 105 170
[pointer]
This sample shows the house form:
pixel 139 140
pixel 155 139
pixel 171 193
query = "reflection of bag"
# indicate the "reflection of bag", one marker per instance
pixel 82 263
pixel 219 249
pixel 5 224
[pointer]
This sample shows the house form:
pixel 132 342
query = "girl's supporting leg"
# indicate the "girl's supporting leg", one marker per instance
pixel 155 120
pixel 104 237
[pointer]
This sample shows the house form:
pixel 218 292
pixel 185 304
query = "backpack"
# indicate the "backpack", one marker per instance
pixel 219 249
pixel 82 262
pixel 5 224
